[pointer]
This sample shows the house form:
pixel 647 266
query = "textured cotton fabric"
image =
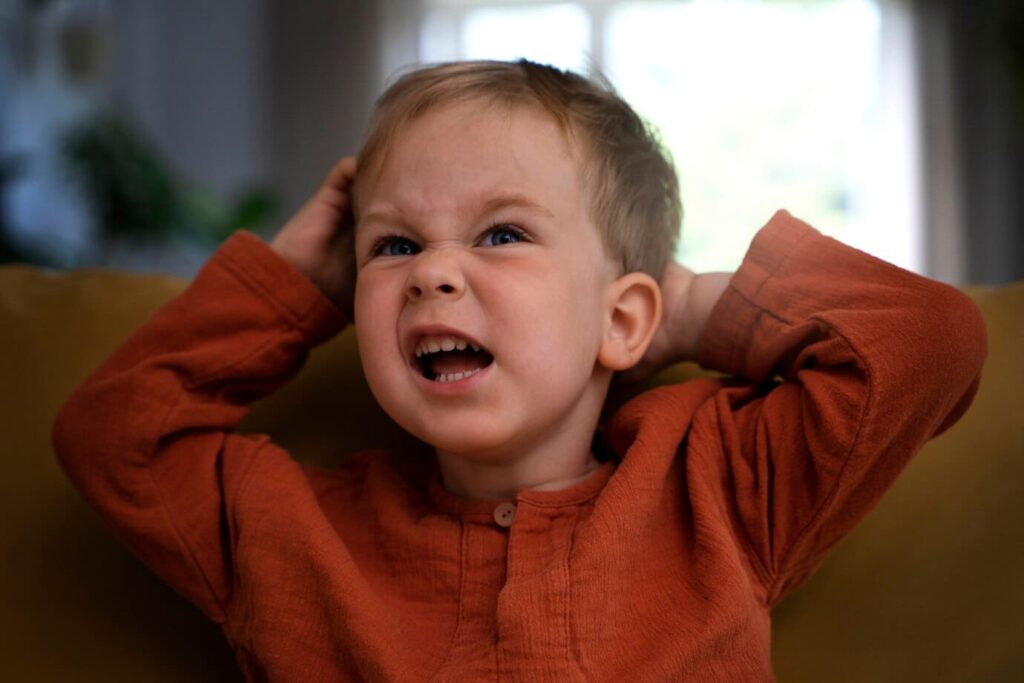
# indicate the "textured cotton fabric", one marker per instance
pixel 722 496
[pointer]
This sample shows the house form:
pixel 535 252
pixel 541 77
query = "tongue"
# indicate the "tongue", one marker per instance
pixel 448 362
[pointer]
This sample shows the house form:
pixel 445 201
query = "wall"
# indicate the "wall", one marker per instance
pixel 269 91
pixel 323 64
pixel 988 74
pixel 196 74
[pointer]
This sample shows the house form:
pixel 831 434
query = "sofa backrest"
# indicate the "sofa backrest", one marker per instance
pixel 927 588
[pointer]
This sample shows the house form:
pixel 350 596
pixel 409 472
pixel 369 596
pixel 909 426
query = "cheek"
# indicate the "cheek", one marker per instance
pixel 562 332
pixel 374 324
pixel 374 296
pixel 583 312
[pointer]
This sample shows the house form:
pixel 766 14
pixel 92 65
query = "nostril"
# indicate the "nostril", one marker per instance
pixel 446 289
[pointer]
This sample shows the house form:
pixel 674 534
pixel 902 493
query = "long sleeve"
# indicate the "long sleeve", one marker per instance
pixel 850 366
pixel 148 437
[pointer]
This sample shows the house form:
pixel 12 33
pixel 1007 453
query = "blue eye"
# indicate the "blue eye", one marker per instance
pixel 504 234
pixel 395 246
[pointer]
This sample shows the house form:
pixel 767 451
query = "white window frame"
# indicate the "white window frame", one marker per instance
pixel 936 252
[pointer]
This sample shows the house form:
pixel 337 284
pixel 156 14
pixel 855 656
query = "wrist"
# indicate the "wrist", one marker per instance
pixel 702 293
pixel 676 290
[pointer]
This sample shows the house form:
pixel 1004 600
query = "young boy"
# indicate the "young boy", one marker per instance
pixel 510 255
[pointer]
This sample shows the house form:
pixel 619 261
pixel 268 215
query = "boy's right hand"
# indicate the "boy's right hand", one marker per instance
pixel 318 239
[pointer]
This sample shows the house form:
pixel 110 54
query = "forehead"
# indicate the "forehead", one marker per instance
pixel 454 151
pixel 388 124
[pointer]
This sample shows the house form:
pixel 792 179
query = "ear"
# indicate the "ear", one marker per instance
pixel 634 308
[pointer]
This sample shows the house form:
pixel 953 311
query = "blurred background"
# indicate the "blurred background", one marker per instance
pixel 139 133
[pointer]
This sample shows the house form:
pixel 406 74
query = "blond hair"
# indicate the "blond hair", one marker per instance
pixel 629 175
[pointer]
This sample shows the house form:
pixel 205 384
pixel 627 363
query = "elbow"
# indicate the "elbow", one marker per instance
pixel 77 432
pixel 965 336
pixel 960 348
pixel 924 365
pixel 67 432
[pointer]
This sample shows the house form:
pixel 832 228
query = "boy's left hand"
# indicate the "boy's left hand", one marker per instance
pixel 687 299
pixel 669 341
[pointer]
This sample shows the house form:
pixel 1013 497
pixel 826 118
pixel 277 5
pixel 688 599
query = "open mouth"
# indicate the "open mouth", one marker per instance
pixel 449 359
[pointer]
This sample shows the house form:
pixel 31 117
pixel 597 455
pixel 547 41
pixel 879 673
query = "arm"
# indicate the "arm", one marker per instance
pixel 852 363
pixel 846 366
pixel 148 437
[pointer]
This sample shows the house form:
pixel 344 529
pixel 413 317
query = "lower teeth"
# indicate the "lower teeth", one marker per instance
pixel 456 376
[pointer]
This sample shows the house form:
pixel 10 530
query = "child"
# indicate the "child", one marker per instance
pixel 509 256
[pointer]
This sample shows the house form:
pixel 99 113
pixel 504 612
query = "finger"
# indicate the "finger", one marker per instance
pixel 340 177
pixel 336 189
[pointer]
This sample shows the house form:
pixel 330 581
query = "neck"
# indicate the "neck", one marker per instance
pixel 492 481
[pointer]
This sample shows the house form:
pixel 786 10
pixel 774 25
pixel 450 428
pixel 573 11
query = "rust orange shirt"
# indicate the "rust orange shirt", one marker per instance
pixel 723 495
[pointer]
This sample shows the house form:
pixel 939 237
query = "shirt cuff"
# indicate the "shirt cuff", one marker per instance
pixel 730 328
pixel 274 280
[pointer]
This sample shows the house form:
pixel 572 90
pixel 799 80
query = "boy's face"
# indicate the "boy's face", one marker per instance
pixel 476 227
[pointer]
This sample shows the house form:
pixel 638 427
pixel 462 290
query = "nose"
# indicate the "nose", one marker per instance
pixel 435 274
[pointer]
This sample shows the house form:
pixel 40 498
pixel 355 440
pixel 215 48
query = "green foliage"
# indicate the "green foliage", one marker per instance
pixel 127 184
pixel 134 193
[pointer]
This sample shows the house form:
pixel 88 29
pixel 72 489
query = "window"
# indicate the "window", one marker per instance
pixel 764 104
pixel 557 34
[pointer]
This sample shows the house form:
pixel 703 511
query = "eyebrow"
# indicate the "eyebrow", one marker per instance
pixel 516 201
pixel 492 205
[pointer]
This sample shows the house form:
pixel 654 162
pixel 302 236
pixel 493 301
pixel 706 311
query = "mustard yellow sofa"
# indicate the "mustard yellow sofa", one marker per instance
pixel 929 588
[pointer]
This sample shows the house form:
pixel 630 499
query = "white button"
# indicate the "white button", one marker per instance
pixel 504 514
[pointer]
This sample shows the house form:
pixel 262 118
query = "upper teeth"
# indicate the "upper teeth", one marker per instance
pixel 436 344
